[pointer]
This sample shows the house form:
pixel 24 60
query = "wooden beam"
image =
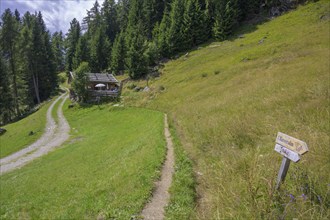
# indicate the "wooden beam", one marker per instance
pixel 283 171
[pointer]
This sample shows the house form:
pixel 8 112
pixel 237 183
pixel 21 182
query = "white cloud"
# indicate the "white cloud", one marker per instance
pixel 57 14
pixel 74 9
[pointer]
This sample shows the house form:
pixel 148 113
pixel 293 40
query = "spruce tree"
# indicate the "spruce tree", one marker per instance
pixel 122 7
pixel 37 58
pixel 135 17
pixel 58 50
pixel 17 16
pixel 6 100
pixel 99 51
pixel 93 19
pixel 48 74
pixel 28 60
pixel 9 37
pixel 188 21
pixel 161 35
pixel 136 61
pixel 72 39
pixel 175 38
pixel 195 29
pixel 149 16
pixel 109 13
pixel 82 52
pixel 226 18
pixel 118 54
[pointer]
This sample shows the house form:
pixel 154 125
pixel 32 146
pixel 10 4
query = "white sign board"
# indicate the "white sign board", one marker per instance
pixel 287 153
pixel 291 143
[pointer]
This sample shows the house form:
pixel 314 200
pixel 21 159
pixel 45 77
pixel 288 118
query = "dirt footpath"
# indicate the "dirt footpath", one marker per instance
pixel 154 210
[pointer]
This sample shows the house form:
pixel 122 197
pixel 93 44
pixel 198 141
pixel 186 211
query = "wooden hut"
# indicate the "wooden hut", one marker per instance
pixel 103 84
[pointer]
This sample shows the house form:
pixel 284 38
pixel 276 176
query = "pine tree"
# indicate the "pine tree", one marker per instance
pixel 152 53
pixel 135 17
pixel 82 52
pixel 72 39
pixel 38 61
pixel 30 62
pixel 189 18
pixel 148 9
pixel 37 52
pixel 226 18
pixel 93 19
pixel 6 101
pixel 201 31
pixel 9 37
pixel 161 35
pixel 58 50
pixel 109 13
pixel 123 7
pixel 118 54
pixel 99 51
pixel 27 58
pixel 17 16
pixel 136 61
pixel 48 74
pixel 175 39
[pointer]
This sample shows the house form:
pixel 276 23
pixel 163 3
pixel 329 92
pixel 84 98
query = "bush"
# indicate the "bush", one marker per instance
pixel 80 81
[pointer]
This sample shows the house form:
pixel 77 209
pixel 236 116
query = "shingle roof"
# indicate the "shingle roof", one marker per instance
pixel 101 77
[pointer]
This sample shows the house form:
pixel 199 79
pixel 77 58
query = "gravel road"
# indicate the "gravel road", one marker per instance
pixel 55 135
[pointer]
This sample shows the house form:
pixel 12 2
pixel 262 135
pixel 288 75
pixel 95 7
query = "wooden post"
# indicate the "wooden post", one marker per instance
pixel 283 171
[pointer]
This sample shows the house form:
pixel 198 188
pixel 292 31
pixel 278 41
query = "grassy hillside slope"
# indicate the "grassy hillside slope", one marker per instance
pixel 105 171
pixel 17 135
pixel 229 99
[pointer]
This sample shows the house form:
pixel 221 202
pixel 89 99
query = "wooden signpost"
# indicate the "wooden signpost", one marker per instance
pixel 291 149
pixel 291 143
pixel 291 155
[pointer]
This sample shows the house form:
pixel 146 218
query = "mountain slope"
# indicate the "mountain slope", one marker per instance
pixel 229 99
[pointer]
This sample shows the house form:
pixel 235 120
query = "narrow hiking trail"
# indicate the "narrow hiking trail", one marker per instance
pixel 154 210
pixel 55 135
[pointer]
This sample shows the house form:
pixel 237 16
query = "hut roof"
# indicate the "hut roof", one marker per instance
pixel 101 77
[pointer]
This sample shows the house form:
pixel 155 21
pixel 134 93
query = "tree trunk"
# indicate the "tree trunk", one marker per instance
pixel 14 85
pixel 36 88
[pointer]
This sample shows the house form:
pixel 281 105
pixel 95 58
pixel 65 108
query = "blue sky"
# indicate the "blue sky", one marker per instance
pixel 57 14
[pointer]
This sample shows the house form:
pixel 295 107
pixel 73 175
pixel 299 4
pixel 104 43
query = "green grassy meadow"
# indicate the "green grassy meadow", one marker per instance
pixel 17 136
pixel 228 100
pixel 105 171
